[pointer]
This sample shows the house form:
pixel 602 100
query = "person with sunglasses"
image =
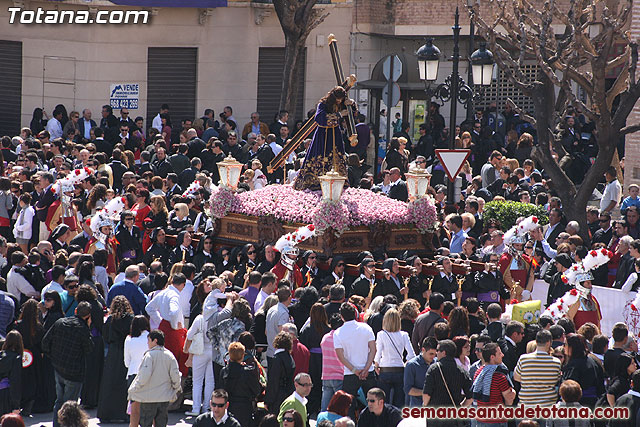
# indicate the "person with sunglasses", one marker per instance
pixel 366 283
pixel 219 414
pixel 298 400
pixel 310 271
pixel 247 262
pixel 129 238
pixel 377 412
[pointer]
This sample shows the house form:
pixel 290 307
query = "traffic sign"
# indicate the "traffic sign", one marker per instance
pixel 452 161
pixel 390 72
pixel 394 88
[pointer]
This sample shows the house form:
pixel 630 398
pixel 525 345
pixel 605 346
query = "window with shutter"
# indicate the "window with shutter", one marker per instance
pixel 172 79
pixel 270 71
pixel 10 87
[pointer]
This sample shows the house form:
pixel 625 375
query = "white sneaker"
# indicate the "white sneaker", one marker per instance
pixel 192 413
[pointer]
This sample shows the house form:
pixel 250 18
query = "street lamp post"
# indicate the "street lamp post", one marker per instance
pixel 454 87
pixel 472 31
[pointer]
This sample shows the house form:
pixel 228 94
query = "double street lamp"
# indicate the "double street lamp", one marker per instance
pixel 454 87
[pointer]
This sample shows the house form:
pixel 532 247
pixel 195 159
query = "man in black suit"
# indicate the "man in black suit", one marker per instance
pixel 187 176
pixel 196 145
pixel 398 189
pixel 218 156
pixel 161 166
pixel 179 161
pixel 118 169
pixel 130 142
pixel 48 197
pixel 261 151
pixel 148 283
pixel 627 263
pixel 513 334
pixel 554 228
pixel 496 187
pixel 232 147
pixel 85 124
pixel 102 145
pixel 109 124
pixel 172 186
pixel 445 281
pixel 145 166
pixel 604 234
pixel 82 239
pixel 125 117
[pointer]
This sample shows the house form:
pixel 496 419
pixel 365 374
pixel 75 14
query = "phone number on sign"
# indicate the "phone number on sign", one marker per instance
pixel 124 103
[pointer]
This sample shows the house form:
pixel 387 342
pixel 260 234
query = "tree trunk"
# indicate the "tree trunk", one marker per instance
pixel 293 53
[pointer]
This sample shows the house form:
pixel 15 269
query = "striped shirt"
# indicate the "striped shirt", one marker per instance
pixel 539 374
pixel 332 368
pixel 499 384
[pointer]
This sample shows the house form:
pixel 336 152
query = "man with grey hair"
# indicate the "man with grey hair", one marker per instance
pixel 298 400
pixel 572 228
pixel 345 422
pixel 255 126
pixel 130 290
pixel 85 124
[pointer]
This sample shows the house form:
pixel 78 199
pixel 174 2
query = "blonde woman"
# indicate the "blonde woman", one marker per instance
pixel 180 220
pixel 391 344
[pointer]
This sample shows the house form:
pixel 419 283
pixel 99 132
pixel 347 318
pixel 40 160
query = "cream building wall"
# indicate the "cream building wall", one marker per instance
pixel 228 43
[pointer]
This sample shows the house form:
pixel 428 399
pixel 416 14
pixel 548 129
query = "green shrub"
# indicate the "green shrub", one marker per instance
pixel 508 212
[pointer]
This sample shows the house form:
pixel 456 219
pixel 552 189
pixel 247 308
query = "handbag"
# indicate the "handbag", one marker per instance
pixel 197 342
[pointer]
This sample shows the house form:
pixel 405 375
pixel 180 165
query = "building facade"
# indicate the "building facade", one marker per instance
pixel 191 58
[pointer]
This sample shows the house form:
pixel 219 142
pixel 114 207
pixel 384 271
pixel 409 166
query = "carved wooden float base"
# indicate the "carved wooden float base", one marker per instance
pixel 237 229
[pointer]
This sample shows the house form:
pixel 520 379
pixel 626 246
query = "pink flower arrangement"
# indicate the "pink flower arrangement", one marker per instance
pixel 422 213
pixel 334 215
pixel 221 201
pixel 357 207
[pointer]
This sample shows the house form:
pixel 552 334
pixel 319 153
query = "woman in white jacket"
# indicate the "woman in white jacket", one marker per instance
pixel 22 229
pixel 135 346
pixel 391 344
pixel 200 352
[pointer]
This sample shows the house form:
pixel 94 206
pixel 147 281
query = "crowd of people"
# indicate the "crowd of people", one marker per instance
pixel 115 295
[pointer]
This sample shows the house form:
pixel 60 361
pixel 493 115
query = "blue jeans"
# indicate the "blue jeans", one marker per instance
pixel 329 388
pixel 389 381
pixel 65 390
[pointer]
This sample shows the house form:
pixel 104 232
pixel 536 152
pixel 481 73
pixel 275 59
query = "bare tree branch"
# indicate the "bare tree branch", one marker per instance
pixel 630 129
